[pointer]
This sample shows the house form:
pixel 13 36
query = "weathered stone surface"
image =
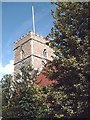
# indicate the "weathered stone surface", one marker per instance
pixel 32 46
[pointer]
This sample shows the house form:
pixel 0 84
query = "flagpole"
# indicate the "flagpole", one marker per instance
pixel 33 19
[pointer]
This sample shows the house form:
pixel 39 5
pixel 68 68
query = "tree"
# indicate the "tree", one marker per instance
pixel 6 93
pixel 20 102
pixel 26 100
pixel 68 98
pixel 70 40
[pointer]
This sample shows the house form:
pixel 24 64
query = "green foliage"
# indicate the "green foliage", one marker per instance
pixel 26 99
pixel 68 98
pixel 20 102
pixel 69 39
pixel 6 88
pixel 6 93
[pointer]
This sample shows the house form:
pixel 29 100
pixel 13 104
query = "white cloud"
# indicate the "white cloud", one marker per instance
pixel 7 69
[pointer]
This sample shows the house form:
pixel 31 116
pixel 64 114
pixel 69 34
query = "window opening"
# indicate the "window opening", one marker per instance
pixel 21 54
pixel 44 53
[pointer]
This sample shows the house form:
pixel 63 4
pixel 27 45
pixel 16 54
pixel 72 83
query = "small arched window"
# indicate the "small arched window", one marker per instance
pixel 43 64
pixel 21 54
pixel 44 53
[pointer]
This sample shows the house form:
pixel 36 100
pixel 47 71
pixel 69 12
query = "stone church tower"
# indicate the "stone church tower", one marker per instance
pixel 31 49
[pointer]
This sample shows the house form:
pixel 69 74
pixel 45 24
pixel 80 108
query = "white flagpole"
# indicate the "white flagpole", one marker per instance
pixel 33 19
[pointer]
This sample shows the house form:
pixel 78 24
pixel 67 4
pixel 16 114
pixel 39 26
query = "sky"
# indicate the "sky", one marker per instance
pixel 17 21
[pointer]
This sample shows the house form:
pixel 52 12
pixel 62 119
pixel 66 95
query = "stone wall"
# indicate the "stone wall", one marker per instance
pixel 33 46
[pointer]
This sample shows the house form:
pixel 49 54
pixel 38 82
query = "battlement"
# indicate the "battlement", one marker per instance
pixel 28 36
pixel 31 49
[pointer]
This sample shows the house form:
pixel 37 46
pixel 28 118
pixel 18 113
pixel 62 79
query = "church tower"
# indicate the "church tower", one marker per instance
pixel 31 49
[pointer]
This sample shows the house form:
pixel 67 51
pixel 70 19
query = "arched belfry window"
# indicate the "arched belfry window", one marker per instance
pixel 21 54
pixel 44 53
pixel 43 64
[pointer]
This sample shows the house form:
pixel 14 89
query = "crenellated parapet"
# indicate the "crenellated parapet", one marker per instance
pixel 31 48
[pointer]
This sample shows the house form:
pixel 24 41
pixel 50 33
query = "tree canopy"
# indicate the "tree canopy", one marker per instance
pixel 68 98
pixel 70 40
